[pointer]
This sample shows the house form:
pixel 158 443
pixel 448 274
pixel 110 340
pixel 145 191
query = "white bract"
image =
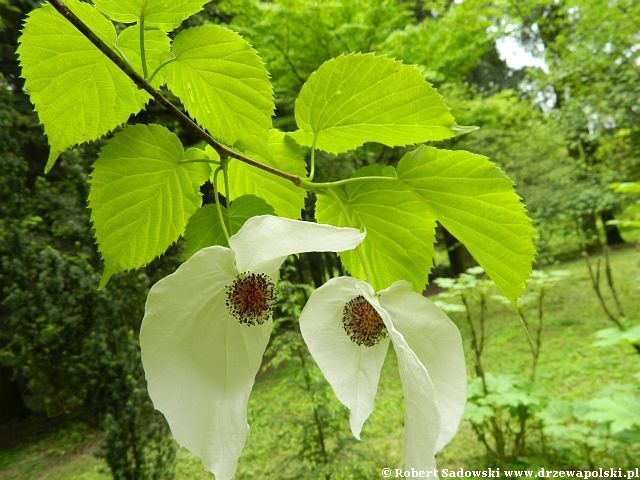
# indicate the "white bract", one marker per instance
pixel 347 327
pixel 206 328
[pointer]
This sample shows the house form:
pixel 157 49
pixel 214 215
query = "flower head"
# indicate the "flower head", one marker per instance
pixel 206 328
pixel 348 328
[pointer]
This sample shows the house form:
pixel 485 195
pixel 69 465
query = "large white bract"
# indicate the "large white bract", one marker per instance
pixel 200 361
pixel 427 344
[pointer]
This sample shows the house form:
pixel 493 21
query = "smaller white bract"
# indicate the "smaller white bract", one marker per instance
pixel 206 328
pixel 347 328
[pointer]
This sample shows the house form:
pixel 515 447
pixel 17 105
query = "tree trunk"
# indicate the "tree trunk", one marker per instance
pixel 612 232
pixel 590 232
pixel 11 404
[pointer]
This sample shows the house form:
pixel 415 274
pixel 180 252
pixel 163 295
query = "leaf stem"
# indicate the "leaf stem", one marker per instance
pixel 345 212
pixel 316 186
pixel 143 55
pixel 227 192
pixel 218 206
pixel 143 84
pixel 160 67
pixel 312 162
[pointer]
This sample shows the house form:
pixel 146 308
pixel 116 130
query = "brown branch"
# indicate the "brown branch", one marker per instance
pixel 610 283
pixel 142 84
pixel 595 284
pixel 475 345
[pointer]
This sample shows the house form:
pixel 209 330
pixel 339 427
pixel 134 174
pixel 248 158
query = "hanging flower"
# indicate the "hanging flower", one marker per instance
pixel 348 327
pixel 206 328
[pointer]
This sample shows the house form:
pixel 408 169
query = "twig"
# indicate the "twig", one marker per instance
pixel 595 283
pixel 475 345
pixel 610 283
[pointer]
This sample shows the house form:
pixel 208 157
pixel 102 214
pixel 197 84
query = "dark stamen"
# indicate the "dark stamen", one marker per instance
pixel 363 323
pixel 251 298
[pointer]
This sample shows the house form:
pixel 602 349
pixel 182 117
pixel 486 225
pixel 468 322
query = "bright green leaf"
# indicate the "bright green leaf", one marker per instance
pixel 142 196
pixel 630 224
pixel 400 231
pixel 358 98
pixel 204 229
pixel 284 196
pixel 157 46
pixel 223 84
pixel 78 92
pixel 627 187
pixel 477 203
pixel 195 153
pixel 163 14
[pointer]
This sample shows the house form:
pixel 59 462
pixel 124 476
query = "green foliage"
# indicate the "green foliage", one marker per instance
pixel 78 357
pixel 204 229
pixel 439 45
pixel 286 199
pixel 596 428
pixel 563 422
pixel 146 186
pixel 611 337
pixel 162 14
pixel 223 84
pixel 142 196
pixel 400 232
pixel 54 55
pixel 360 98
pixel 563 161
pixel 617 408
pixel 137 441
pixel 296 36
pixel 500 409
pixel 157 46
pixel 531 148
pixel 631 213
pixel 468 194
pixel 139 210
pixel 627 187
pixel 476 202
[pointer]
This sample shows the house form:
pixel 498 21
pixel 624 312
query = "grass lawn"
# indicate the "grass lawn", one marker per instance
pixel 570 367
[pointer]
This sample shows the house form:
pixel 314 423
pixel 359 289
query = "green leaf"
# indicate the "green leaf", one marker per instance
pixel 618 408
pixel 142 196
pixel 223 84
pixel 157 46
pixel 477 203
pixel 477 414
pixel 467 193
pixel 611 337
pixel 358 98
pixel 78 93
pixel 627 187
pixel 162 14
pixel 284 196
pixel 204 229
pixel 400 230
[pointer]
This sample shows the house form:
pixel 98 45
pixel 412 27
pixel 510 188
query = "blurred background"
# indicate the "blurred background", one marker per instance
pixel 554 87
